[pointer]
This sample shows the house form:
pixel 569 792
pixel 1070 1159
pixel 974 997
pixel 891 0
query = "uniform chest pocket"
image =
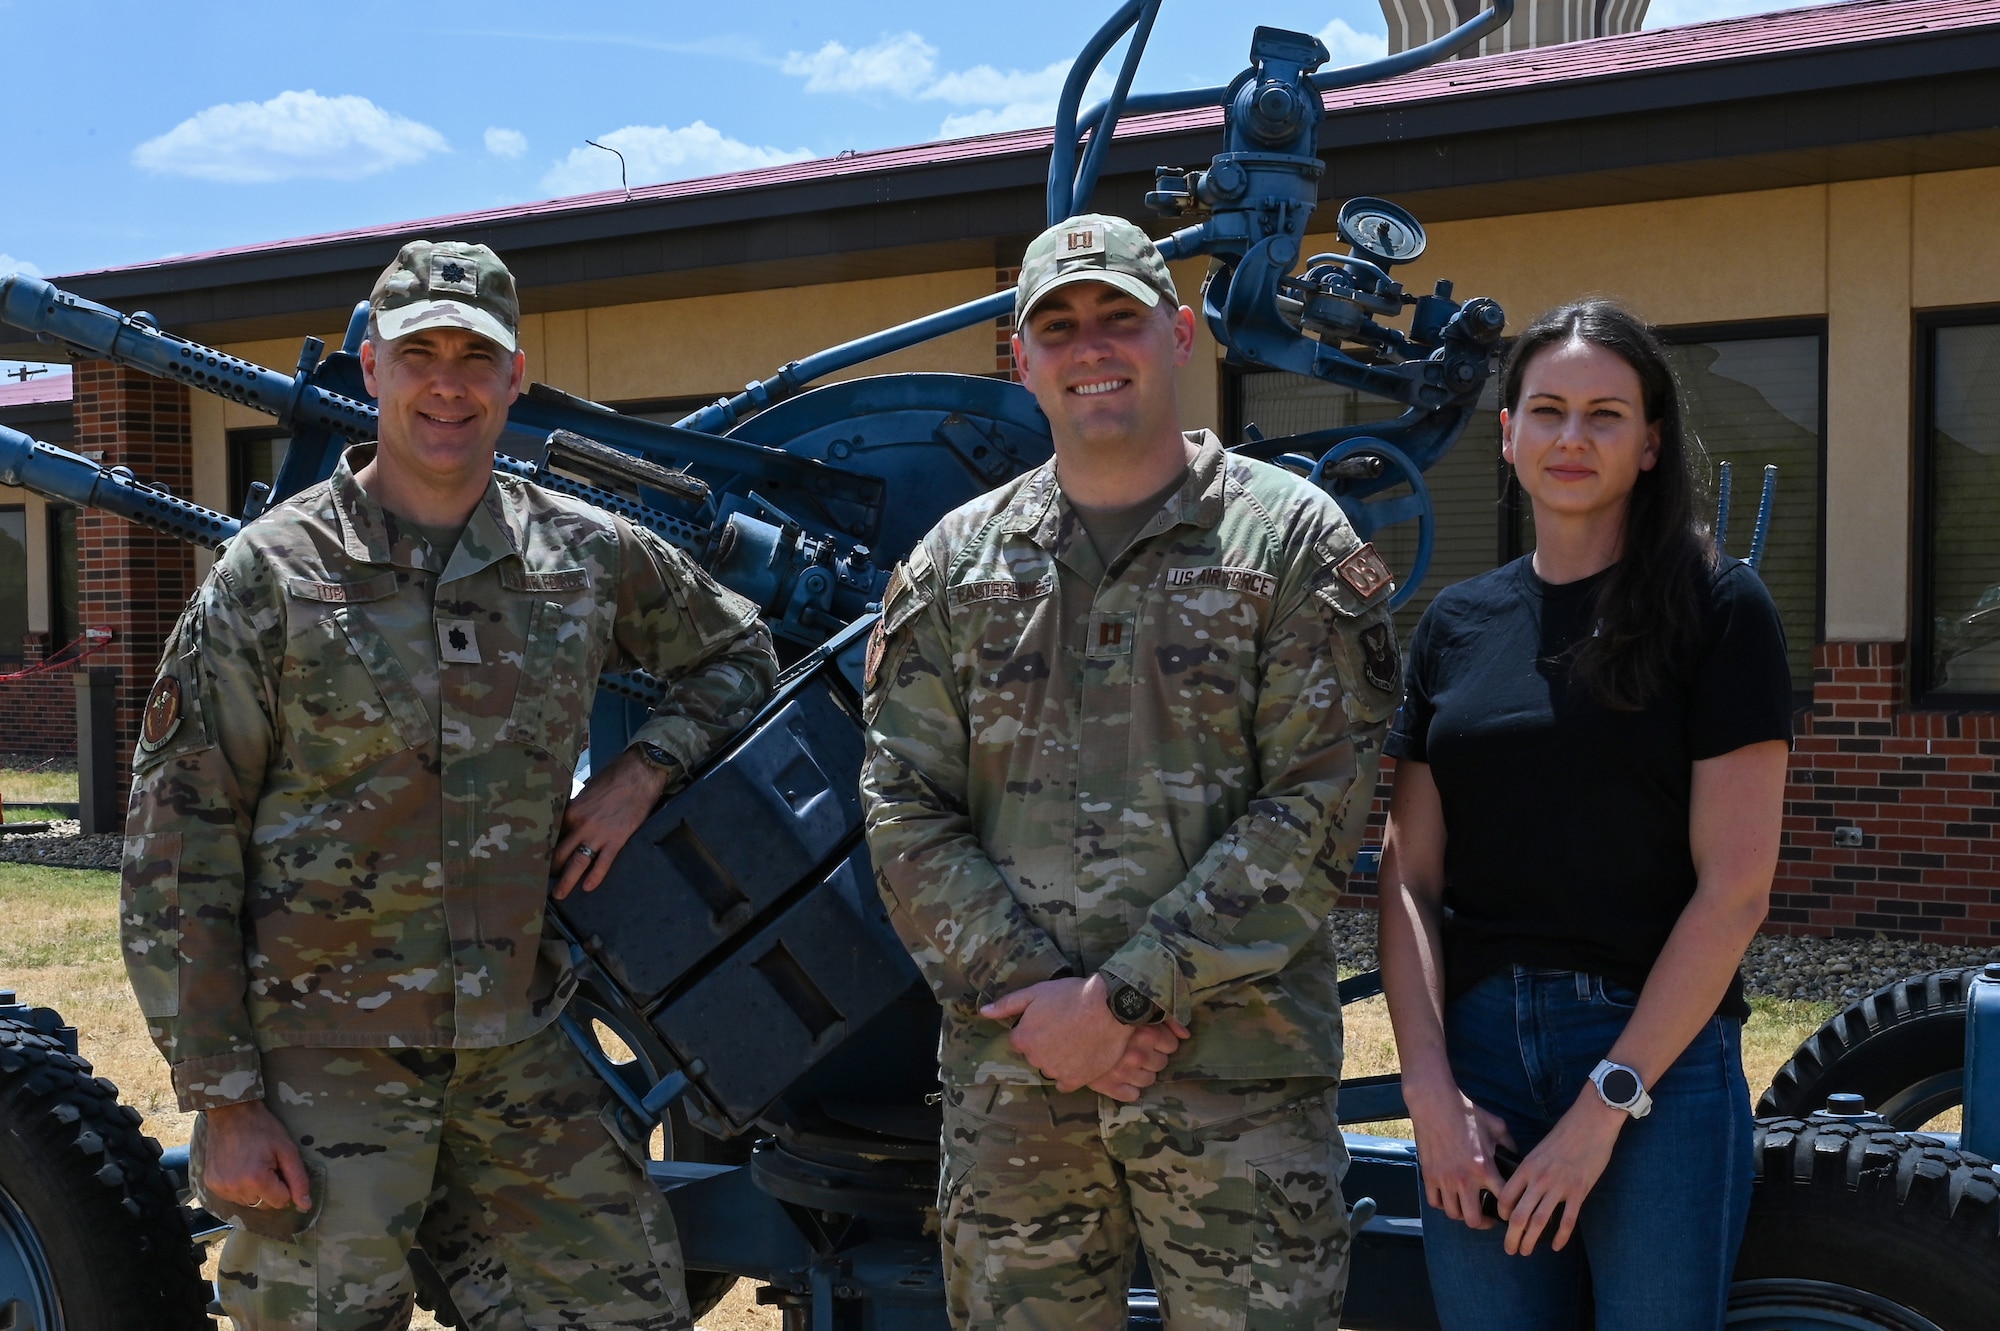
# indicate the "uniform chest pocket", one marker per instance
pixel 347 703
pixel 558 682
pixel 1005 627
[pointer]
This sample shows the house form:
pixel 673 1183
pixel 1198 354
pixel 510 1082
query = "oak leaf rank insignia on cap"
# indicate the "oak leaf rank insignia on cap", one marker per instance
pixel 449 273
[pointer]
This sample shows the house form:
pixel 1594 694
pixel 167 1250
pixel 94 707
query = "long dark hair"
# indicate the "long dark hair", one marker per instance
pixel 1649 605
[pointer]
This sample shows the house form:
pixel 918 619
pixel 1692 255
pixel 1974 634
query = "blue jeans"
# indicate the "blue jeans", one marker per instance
pixel 1656 1239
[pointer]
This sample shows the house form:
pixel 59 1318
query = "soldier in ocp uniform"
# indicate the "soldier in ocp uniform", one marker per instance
pixel 350 793
pixel 1125 714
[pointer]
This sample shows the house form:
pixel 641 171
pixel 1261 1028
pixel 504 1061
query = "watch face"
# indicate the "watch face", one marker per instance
pixel 1129 1005
pixel 1620 1086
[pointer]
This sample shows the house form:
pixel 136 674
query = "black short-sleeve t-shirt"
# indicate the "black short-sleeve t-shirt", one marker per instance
pixel 1566 822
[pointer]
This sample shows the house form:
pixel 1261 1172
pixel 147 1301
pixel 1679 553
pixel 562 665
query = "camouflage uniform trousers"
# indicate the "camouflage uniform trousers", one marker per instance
pixel 1233 1189
pixel 497 1162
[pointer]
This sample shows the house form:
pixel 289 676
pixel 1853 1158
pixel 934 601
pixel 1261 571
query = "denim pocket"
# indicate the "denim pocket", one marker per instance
pixel 1613 994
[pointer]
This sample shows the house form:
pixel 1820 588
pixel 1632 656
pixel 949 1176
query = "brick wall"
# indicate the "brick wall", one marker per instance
pixel 1921 789
pixel 130 579
pixel 38 714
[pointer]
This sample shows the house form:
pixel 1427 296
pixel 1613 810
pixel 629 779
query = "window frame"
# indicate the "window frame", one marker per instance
pixel 239 484
pixel 1745 330
pixel 1923 565
pixel 13 655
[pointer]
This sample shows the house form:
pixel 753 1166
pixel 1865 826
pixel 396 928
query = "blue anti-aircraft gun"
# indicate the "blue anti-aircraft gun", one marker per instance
pixel 766 1016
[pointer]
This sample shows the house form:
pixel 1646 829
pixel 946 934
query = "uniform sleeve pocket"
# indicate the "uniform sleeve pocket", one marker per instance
pixel 149 916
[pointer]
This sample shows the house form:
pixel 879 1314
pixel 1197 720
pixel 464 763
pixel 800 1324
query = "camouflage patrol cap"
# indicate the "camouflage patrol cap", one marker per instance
pixel 447 284
pixel 1092 248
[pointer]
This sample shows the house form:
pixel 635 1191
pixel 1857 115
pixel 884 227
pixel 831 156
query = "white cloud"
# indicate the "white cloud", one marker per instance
pixel 506 142
pixel 654 153
pixel 295 134
pixel 1351 46
pixel 10 264
pixel 983 85
pixel 905 65
pixel 895 64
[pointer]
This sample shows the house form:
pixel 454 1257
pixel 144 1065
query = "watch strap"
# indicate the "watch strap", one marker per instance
pixel 1638 1104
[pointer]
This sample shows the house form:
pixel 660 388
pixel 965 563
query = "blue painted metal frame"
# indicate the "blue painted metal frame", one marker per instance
pixel 1979 1133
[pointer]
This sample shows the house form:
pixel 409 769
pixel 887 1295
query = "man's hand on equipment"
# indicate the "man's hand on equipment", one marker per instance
pixel 602 818
pixel 1066 1030
pixel 250 1160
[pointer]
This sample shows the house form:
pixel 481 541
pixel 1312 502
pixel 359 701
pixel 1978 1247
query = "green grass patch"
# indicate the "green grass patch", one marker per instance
pixel 30 787
pixel 56 917
pixel 33 813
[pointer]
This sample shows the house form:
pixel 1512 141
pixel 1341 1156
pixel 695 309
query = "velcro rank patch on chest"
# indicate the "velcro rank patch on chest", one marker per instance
pixel 1249 581
pixel 1003 589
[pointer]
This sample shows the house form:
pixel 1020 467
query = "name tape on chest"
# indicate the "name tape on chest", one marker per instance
pixel 1001 589
pixel 1249 581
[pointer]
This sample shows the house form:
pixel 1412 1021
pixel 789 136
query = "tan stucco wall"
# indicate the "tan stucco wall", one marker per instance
pixel 1864 255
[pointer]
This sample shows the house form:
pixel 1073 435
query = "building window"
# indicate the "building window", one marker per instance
pixel 1960 652
pixel 1466 485
pixel 1753 401
pixel 65 622
pixel 13 583
pixel 254 455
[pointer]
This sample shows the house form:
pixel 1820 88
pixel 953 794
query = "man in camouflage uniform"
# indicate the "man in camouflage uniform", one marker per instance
pixel 353 777
pixel 1125 715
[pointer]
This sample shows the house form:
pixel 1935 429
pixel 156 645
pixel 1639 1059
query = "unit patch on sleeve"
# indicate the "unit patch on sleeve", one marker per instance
pixel 1379 661
pixel 1364 571
pixel 163 713
pixel 1249 581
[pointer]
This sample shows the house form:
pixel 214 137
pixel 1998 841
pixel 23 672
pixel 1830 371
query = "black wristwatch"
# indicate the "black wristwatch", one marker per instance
pixel 1129 1004
pixel 654 756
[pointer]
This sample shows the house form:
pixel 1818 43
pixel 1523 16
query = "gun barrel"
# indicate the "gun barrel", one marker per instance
pixel 61 474
pixel 55 315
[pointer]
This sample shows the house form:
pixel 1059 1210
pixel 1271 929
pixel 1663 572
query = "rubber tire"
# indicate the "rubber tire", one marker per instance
pixel 89 1184
pixel 1897 1215
pixel 1902 1048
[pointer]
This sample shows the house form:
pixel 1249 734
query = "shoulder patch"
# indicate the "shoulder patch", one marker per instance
pixel 1364 571
pixel 1002 589
pixel 162 715
pixel 1380 662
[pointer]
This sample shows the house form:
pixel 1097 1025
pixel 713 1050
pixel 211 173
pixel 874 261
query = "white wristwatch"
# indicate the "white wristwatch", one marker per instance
pixel 1620 1087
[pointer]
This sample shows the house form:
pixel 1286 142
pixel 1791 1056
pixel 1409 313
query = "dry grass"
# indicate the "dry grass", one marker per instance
pixel 31 786
pixel 60 948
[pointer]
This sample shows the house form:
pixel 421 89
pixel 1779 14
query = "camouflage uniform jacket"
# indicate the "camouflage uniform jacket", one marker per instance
pixel 1162 772
pixel 342 837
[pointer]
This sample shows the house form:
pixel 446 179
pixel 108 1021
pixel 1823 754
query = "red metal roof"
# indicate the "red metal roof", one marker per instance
pixel 41 388
pixel 1717 42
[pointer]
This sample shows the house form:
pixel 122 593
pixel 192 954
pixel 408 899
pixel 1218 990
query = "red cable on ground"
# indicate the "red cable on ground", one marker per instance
pixel 96 638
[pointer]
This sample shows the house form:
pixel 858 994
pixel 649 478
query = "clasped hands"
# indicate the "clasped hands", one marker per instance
pixel 1066 1030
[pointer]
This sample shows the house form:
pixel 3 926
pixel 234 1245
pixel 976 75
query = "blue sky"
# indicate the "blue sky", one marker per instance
pixel 140 131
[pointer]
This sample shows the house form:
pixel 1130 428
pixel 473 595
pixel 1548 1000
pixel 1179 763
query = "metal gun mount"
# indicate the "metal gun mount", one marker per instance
pixel 737 947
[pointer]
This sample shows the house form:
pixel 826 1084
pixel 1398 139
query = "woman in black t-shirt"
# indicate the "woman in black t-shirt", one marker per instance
pixel 1589 780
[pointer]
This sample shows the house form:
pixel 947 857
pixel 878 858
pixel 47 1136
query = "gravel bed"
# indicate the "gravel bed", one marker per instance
pixel 1778 966
pixel 63 846
pixel 1837 970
